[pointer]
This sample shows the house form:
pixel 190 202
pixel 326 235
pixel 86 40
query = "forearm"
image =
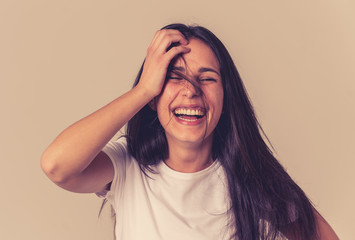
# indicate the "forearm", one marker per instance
pixel 74 149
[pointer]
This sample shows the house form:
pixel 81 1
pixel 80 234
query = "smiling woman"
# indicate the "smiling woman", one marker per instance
pixel 193 164
pixel 189 108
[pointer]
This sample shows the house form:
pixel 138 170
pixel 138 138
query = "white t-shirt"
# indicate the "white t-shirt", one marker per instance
pixel 169 205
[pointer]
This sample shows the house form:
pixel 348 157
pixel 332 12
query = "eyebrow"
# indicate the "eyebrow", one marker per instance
pixel 201 70
pixel 205 69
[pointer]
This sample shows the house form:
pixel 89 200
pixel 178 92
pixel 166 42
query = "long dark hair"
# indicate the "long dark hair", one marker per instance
pixel 264 199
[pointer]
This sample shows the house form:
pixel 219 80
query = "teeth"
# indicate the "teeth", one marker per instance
pixel 190 112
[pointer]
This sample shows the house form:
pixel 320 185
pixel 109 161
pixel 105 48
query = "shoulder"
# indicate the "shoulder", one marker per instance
pixel 118 152
pixel 118 146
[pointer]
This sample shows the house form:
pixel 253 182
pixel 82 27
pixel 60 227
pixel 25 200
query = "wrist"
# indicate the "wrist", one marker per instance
pixel 145 91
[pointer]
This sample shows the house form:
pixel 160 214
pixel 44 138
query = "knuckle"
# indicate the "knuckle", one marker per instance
pixel 150 50
pixel 162 32
pixel 160 59
pixel 158 32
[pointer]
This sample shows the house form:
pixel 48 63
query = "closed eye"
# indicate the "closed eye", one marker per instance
pixel 171 77
pixel 207 80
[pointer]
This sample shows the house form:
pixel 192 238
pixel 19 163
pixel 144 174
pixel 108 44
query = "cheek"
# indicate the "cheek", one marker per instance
pixel 219 99
pixel 169 92
pixel 215 99
pixel 164 100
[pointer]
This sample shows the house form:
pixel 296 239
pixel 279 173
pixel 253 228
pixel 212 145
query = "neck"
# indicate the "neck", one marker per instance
pixel 188 157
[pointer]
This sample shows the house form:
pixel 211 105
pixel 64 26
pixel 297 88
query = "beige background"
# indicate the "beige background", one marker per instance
pixel 61 60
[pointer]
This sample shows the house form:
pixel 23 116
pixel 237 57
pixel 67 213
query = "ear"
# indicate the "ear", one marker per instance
pixel 153 104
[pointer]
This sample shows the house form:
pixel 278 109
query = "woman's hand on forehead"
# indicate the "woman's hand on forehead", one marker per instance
pixel 166 45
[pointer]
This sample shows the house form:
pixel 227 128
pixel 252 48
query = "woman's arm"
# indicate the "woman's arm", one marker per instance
pixel 324 230
pixel 74 161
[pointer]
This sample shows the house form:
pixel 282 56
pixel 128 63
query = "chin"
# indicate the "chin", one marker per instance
pixel 192 139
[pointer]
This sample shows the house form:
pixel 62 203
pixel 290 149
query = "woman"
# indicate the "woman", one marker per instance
pixel 193 164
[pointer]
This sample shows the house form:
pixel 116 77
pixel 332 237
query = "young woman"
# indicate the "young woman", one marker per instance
pixel 193 164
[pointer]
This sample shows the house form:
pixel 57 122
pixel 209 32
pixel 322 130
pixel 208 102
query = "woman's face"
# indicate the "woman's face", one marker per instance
pixel 187 115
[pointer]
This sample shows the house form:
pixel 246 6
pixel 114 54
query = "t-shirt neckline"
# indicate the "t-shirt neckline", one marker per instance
pixel 164 168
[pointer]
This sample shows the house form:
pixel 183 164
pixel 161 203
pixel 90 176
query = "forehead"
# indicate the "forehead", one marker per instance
pixel 200 56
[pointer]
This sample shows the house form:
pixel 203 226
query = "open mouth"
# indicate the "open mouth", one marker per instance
pixel 189 114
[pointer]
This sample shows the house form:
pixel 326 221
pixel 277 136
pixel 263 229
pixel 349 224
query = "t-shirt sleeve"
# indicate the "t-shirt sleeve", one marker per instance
pixel 117 152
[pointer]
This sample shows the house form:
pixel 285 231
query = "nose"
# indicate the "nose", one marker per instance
pixel 190 90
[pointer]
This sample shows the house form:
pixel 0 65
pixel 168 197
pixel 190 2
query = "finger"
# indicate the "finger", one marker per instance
pixel 173 52
pixel 164 40
pixel 170 32
pixel 172 42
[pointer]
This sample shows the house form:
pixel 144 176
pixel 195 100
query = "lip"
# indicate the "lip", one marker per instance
pixel 190 106
pixel 190 123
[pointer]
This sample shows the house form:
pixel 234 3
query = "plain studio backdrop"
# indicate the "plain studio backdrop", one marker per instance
pixel 61 60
